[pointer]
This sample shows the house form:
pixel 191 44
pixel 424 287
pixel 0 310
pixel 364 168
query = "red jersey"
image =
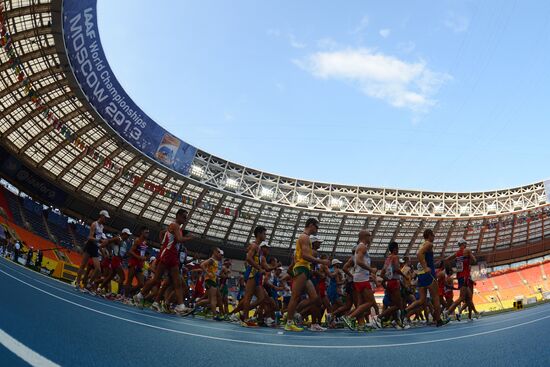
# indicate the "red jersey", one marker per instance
pixel 462 264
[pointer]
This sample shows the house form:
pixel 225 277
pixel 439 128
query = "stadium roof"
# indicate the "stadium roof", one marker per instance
pixel 47 121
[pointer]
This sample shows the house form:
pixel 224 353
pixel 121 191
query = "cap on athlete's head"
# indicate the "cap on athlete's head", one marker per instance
pixel 428 233
pixel 393 246
pixel 264 244
pixel 126 231
pixel 259 230
pixel 336 262
pixel 152 258
pixel 462 242
pixel 315 239
pixel 104 213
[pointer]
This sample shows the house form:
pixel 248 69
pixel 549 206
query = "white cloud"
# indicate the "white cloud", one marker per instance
pixel 273 32
pixel 385 77
pixel 363 24
pixel 406 47
pixel 327 43
pixel 294 42
pixel 456 23
pixel 385 32
pixel 228 116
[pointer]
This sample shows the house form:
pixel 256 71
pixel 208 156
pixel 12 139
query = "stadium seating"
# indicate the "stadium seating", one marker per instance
pixel 13 206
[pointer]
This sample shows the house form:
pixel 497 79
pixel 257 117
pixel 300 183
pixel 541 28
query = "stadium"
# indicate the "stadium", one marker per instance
pixel 73 144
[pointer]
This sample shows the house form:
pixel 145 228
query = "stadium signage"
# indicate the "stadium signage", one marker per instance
pixel 28 180
pixel 101 88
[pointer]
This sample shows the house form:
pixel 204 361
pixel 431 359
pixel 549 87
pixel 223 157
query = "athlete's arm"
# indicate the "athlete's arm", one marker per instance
pixel 133 250
pixel 92 232
pixel 422 257
pixel 307 253
pixel 472 257
pixel 204 265
pixel 347 266
pixel 175 230
pixel 250 256
pixel 359 256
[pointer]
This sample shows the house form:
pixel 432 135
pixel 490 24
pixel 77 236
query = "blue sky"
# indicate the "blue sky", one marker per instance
pixel 440 95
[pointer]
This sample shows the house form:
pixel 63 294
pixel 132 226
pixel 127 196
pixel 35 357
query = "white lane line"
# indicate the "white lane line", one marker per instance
pixel 24 352
pixel 380 334
pixel 276 344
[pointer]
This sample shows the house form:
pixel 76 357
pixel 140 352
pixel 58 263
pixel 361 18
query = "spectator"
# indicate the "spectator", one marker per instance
pixel 16 250
pixel 39 259
pixel 29 256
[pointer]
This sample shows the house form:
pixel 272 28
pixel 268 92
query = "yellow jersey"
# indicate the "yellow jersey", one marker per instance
pixel 211 271
pixel 298 259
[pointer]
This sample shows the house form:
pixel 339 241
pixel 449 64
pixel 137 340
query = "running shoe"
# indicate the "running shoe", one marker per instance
pixel 234 318
pixel 270 322
pixel 377 323
pixel 181 310
pixel 317 328
pixel 397 325
pixel 291 326
pixel 138 300
pixel 477 315
pixel 350 322
pixel 249 323
pixel 218 317
pixel 441 323
pixel 458 316
pixel 156 307
pixel 365 328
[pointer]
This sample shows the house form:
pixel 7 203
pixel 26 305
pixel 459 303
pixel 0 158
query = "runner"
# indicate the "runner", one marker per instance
pixel 137 257
pixel 168 262
pixel 426 279
pixel 212 267
pixel 362 271
pixel 303 259
pixel 392 273
pixel 252 277
pixel 115 244
pixel 91 248
pixel 463 257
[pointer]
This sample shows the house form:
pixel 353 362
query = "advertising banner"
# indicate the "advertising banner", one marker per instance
pixel 106 95
pixel 29 181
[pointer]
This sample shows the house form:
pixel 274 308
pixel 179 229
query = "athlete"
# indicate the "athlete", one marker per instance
pixel 392 274
pixel 212 268
pixel 168 262
pixel 303 259
pixel 426 279
pixel 463 258
pixel 91 248
pixel 252 277
pixel 362 271
pixel 137 257
pixel 115 244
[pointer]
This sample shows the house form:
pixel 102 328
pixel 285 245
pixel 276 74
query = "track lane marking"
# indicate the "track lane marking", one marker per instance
pixel 275 344
pixel 24 352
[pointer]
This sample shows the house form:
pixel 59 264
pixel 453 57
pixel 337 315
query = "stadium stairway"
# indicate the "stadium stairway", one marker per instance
pixel 4 204
pixel 15 207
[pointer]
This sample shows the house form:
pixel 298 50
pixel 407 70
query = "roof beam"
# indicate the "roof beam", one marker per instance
pixel 256 219
pixel 448 237
pixel 233 221
pixel 342 222
pixel 216 210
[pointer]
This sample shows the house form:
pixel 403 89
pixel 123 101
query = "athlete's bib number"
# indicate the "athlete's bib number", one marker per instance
pixel 142 252
pixel 183 256
pixel 389 272
pixel 459 265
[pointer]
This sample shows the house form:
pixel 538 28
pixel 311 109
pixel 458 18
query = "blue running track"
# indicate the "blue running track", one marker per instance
pixel 74 329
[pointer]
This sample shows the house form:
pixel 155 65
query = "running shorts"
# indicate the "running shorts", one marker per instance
pixel 322 289
pixel 393 285
pixel 425 280
pixel 105 263
pixel 138 264
pixel 360 286
pixel 463 282
pixel 91 248
pixel 170 259
pixel 257 277
pixel 301 270
pixel 116 262
pixel 209 283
